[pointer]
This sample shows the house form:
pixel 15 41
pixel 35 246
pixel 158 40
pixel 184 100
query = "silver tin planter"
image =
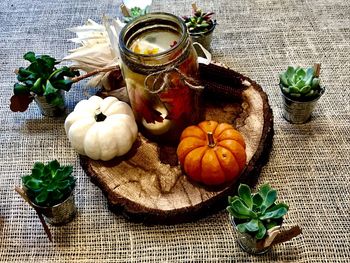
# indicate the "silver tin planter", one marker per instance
pixel 298 112
pixel 204 39
pixel 249 243
pixel 59 214
pixel 49 110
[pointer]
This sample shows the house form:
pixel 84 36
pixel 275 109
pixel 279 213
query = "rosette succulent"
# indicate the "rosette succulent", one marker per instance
pixel 256 213
pixel 199 22
pixel 41 78
pixel 300 84
pixel 49 184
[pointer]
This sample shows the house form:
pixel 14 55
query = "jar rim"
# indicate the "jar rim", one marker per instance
pixel 149 17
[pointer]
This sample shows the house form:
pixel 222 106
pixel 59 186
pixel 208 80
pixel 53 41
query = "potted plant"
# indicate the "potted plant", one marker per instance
pixel 42 82
pixel 134 8
pixel 201 26
pixel 256 217
pixel 300 91
pixel 49 189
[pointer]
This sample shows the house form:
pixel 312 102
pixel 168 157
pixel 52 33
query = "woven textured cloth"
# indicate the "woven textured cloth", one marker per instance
pixel 309 164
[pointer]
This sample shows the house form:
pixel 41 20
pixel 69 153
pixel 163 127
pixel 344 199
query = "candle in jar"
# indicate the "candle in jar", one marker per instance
pixel 154 42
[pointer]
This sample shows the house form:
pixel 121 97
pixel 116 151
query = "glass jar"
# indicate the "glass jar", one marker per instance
pixel 160 68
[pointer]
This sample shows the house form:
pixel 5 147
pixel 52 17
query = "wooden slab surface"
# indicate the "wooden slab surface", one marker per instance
pixel 148 185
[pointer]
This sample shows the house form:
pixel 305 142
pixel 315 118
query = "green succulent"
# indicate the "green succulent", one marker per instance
pixel 136 12
pixel 42 78
pixel 199 22
pixel 300 84
pixel 256 213
pixel 49 184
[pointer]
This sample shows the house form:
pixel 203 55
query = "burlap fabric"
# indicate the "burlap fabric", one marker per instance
pixel 309 164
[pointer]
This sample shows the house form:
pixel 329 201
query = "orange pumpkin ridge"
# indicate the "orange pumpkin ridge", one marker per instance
pixel 212 153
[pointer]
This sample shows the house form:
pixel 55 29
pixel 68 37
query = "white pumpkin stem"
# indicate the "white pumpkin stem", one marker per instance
pixel 94 72
pixel 211 141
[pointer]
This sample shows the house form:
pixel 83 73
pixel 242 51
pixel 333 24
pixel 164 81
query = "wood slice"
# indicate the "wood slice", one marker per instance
pixel 148 185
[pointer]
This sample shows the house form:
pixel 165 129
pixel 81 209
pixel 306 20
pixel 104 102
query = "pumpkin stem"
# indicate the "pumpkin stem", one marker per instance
pixel 211 142
pixel 100 117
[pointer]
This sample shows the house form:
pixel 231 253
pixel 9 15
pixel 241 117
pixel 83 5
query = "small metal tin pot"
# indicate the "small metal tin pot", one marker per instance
pixel 298 112
pixel 59 214
pixel 249 243
pixel 204 39
pixel 49 110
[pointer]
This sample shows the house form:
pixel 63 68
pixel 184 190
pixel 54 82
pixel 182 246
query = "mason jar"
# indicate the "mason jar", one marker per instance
pixel 160 68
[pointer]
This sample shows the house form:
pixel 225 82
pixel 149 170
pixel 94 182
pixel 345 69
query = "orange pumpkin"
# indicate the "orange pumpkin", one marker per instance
pixel 212 153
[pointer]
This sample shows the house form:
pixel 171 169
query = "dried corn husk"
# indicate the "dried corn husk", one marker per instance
pixel 98 48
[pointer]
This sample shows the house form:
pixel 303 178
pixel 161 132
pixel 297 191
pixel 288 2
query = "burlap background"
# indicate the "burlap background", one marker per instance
pixel 309 164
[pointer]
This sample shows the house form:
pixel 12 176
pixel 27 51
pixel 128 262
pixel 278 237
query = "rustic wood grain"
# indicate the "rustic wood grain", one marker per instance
pixel 147 184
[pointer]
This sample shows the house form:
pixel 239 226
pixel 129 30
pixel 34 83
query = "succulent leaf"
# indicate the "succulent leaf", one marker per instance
pixel 298 83
pixel 49 184
pixel 257 199
pixel 269 200
pixel 245 195
pixel 261 231
pixel 41 78
pixel 252 225
pixel 257 212
pixel 278 213
pixel 200 22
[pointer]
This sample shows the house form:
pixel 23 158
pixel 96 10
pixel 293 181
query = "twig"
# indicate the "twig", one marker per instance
pixel 317 67
pixel 124 10
pixel 25 197
pixel 283 236
pixel 94 72
pixel 194 7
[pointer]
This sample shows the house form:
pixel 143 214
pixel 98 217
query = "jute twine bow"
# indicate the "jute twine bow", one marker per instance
pixel 161 77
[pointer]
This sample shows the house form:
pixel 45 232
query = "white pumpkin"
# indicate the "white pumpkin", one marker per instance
pixel 101 128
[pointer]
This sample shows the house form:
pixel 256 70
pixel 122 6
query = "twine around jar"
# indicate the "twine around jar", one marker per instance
pixel 186 79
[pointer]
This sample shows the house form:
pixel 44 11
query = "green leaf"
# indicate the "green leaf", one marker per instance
pixel 245 194
pixel 49 89
pixel 300 84
pixel 309 72
pixel 241 209
pixel 257 200
pixel 63 184
pixel 24 72
pixel 271 224
pixel 290 72
pixel 41 198
pixel 39 165
pixel 53 166
pixel 37 173
pixel 300 72
pixel 55 99
pixel 19 89
pixel 315 83
pixel 269 199
pixel 241 228
pixel 277 206
pixel 305 89
pixel 49 62
pixel 35 68
pixel 261 231
pixel 64 84
pixel 278 213
pixel 284 80
pixel 252 225
pixel 30 56
pixel 37 87
pixel 34 184
pixel 232 198
pixel 264 189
